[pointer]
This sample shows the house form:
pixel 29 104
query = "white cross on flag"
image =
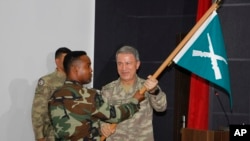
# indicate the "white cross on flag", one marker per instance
pixel 204 54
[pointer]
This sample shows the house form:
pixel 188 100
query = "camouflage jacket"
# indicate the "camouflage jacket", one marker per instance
pixel 44 89
pixel 76 112
pixel 139 127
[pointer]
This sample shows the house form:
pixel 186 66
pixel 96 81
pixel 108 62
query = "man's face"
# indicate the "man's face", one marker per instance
pixel 127 66
pixel 84 71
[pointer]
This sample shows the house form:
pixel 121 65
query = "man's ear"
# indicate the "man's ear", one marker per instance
pixel 75 67
pixel 138 63
pixel 57 61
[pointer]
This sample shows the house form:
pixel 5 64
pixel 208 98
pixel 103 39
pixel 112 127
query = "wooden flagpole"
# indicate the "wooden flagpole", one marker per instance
pixel 169 59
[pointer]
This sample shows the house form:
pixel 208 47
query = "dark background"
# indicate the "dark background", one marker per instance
pixel 155 27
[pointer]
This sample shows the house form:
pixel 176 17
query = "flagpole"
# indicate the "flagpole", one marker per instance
pixel 169 59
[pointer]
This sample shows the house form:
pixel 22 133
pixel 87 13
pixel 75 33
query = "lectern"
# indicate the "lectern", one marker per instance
pixel 188 134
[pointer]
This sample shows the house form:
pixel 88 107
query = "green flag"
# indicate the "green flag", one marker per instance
pixel 204 54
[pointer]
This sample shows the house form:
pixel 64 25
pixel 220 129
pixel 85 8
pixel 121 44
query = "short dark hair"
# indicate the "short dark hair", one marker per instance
pixel 70 58
pixel 61 50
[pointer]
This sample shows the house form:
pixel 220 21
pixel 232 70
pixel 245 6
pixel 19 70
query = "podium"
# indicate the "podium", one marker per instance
pixel 188 134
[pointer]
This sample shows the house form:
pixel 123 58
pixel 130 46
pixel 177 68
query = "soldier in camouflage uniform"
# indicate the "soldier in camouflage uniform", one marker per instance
pixel 76 111
pixel 139 127
pixel 46 86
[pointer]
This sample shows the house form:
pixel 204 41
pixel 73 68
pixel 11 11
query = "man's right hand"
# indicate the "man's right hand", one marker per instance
pixel 106 129
pixel 140 97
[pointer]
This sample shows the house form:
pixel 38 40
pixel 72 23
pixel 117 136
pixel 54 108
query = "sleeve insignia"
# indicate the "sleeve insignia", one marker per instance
pixel 41 82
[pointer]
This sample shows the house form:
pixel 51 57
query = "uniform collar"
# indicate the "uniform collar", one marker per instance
pixel 73 82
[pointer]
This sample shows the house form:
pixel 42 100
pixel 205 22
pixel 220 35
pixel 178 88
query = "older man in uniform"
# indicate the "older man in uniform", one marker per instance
pixel 139 127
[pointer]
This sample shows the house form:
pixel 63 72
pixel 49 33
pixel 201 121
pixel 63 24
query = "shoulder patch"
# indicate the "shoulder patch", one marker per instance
pixel 40 82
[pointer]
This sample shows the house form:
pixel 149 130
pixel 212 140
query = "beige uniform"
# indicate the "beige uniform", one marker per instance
pixel 139 127
pixel 40 119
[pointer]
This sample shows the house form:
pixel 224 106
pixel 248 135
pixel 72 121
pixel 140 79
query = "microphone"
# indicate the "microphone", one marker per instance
pixel 183 121
pixel 224 111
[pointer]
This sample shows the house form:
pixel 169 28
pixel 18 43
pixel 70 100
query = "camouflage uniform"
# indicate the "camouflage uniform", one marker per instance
pixel 76 112
pixel 139 127
pixel 40 119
